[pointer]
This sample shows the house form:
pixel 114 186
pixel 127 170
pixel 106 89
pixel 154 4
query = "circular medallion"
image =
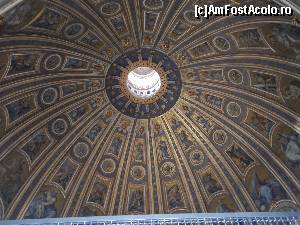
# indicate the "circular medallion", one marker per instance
pixel 110 8
pixel 221 43
pixel 108 166
pixel 138 172
pixel 74 30
pixel 59 126
pixel 143 83
pixel 196 157
pixel 189 16
pixel 220 137
pixel 81 150
pixel 52 62
pixel 168 169
pixel 49 96
pixel 235 76
pixel 233 109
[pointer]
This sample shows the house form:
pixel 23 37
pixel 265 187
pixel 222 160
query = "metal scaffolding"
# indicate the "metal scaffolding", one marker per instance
pixel 170 219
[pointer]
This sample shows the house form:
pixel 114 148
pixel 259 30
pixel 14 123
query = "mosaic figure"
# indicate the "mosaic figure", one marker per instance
pixel 264 82
pixel 174 197
pixel 13 172
pixel 163 150
pixel 16 16
pixel 136 202
pixel 22 63
pixel 92 40
pixel 285 39
pixel 204 122
pixel 119 24
pixel 260 123
pixel 265 192
pixel 76 64
pixel 99 193
pixel 20 108
pixel 214 100
pixel 151 19
pixel 185 139
pixel 64 174
pixel 88 211
pixel 223 207
pixel 211 184
pixel 43 206
pixel 70 89
pixel 36 145
pixel 77 113
pixel 249 39
pixel 290 145
pixel 179 29
pixel 21 14
pixel 201 50
pixel 139 154
pixel 212 74
pixel 115 146
pixel 94 132
pixel 50 20
pixel 240 158
pixel 293 90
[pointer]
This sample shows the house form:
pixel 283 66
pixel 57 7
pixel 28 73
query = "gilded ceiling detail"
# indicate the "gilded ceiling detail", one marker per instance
pixel 223 137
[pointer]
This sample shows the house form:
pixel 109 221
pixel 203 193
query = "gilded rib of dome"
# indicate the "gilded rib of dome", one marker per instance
pixel 221 133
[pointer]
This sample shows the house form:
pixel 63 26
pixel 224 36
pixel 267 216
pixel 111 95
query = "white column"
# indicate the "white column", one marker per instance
pixel 6 5
pixel 294 4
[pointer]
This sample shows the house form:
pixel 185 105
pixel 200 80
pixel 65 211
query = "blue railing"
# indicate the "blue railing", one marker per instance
pixel 170 219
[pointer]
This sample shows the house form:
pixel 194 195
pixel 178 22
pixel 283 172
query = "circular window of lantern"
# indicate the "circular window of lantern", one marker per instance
pixel 143 83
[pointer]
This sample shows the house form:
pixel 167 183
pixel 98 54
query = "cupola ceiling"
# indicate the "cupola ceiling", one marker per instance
pixel 215 127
